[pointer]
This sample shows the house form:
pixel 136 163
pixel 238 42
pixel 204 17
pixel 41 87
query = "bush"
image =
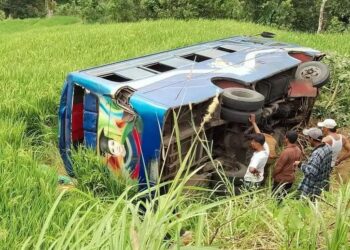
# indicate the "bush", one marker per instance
pixel 231 9
pixel 2 15
pixel 336 26
pixel 68 9
pixel 291 14
pixel 281 14
pixel 306 15
pixel 103 11
pixel 180 9
pixel 285 15
pixel 95 11
pixel 125 10
pixel 23 8
pixel 334 100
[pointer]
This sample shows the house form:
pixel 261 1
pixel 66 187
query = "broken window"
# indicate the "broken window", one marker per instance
pixel 122 97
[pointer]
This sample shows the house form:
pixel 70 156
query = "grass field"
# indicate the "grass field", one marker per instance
pixel 36 55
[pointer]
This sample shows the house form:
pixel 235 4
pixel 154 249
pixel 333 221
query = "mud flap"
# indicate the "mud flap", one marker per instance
pixel 302 88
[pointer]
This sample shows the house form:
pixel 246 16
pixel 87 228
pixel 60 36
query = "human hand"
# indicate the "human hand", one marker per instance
pixel 254 171
pixel 252 118
pixel 296 164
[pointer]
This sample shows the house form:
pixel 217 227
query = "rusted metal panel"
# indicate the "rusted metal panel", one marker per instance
pixel 302 88
pixel 301 56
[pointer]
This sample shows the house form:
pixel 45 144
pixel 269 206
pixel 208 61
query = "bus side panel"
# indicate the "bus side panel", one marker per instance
pixel 153 117
pixel 119 140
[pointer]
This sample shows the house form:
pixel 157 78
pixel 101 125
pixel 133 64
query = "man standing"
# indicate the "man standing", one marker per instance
pixel 284 172
pixel 269 146
pixel 255 172
pixel 252 120
pixel 318 167
pixel 336 141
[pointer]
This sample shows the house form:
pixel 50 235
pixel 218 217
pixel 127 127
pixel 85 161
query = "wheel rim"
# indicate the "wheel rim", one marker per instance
pixel 310 72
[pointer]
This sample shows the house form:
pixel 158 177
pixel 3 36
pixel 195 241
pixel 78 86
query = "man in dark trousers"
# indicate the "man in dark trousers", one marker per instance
pixel 318 167
pixel 284 172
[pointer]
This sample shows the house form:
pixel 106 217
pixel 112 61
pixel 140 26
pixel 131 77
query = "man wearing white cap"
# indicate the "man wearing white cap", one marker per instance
pixel 318 167
pixel 336 141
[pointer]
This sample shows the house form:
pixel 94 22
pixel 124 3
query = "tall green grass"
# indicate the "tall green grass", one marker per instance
pixel 21 25
pixel 35 58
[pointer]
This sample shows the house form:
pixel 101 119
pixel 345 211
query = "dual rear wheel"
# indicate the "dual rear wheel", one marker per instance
pixel 239 103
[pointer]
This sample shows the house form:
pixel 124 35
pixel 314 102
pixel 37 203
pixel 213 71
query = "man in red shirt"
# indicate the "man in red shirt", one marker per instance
pixel 284 172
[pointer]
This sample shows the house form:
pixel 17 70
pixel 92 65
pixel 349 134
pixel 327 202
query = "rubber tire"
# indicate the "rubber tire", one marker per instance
pixel 279 135
pixel 235 176
pixel 317 81
pixel 242 99
pixel 232 115
pixel 237 173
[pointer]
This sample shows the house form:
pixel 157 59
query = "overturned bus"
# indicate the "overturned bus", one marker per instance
pixel 124 110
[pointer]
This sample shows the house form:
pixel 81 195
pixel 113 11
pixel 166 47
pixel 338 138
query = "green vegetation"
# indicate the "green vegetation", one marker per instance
pixel 35 58
pixel 302 15
pixel 17 25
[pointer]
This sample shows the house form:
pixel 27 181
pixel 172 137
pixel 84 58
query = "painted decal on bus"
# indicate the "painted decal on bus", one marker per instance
pixel 119 141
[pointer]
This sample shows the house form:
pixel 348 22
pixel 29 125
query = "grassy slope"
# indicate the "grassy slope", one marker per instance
pixel 36 55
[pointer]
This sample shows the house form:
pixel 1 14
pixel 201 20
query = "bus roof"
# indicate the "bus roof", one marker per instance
pixel 184 75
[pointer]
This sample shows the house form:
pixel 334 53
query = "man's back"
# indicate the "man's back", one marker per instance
pixel 317 170
pixel 284 171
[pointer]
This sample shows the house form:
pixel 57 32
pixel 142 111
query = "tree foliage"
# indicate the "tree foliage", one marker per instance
pixel 23 8
pixel 292 14
pixel 2 15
